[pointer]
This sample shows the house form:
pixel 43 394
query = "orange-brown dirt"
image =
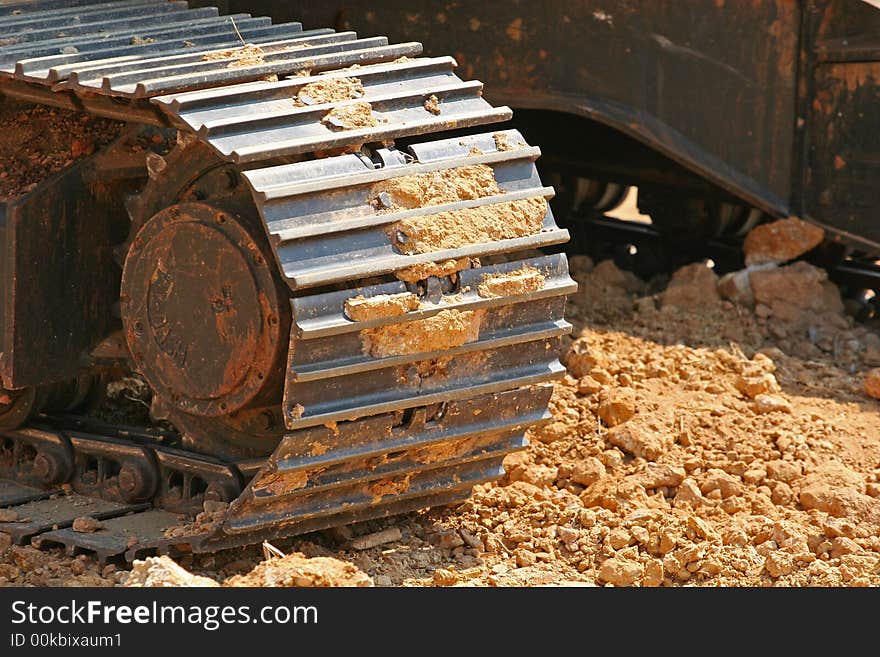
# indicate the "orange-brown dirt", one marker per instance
pixel 39 141
pixel 432 105
pixel 480 225
pixel 330 90
pixel 446 329
pixel 350 117
pixel 435 188
pixel 695 441
pixel 440 269
pixel 362 309
pixel 523 280
pixel 246 55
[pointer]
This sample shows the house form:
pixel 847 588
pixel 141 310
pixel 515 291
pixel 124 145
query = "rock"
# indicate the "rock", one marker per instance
pixel 795 293
pixel 688 495
pixel 653 573
pixel 444 577
pixel 737 287
pixel 87 525
pixel 587 385
pixel 771 403
pixel 447 539
pixel 389 535
pixel 383 580
pixel 871 383
pixel 781 241
pixel 524 557
pixel 692 286
pixel 588 471
pixel 639 440
pixel 843 545
pixel 655 475
pixel 580 359
pixel 164 572
pixel 620 572
pixel 298 570
pixel 8 515
pixel 719 480
pixel 786 471
pixel 778 564
pixel 752 385
pixel 5 541
pixel 617 406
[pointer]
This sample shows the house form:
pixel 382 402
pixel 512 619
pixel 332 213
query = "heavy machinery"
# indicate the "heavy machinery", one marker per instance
pixel 338 310
pixel 722 114
pixel 323 265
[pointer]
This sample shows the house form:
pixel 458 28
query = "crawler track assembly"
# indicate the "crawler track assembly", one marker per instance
pixel 342 318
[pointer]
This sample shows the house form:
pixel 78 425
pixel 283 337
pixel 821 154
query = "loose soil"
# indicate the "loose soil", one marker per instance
pixel 694 441
pixel 40 141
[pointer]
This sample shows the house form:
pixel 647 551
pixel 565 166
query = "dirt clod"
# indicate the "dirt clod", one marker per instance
pixel 436 187
pixel 330 90
pixel 162 572
pixel 446 329
pixel 432 105
pixel 298 570
pixel 362 309
pixel 522 281
pixel 87 525
pixel 350 117
pixel 781 241
pixel 455 229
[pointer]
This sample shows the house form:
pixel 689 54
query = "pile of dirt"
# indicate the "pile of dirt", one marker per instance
pixel 298 570
pixel 39 141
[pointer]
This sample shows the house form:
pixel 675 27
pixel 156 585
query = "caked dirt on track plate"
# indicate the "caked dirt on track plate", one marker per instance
pixel 38 141
pixel 522 281
pixel 362 309
pixel 247 55
pixel 330 90
pixel 434 188
pixel 446 329
pixel 351 117
pixel 440 269
pixel 480 225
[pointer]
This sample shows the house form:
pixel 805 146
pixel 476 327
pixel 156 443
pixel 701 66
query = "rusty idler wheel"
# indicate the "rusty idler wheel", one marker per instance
pixel 205 320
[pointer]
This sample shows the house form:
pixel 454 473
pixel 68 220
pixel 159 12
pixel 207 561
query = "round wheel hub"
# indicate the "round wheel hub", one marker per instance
pixel 201 309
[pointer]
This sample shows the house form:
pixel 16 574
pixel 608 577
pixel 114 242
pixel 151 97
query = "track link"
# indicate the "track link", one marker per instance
pixel 380 417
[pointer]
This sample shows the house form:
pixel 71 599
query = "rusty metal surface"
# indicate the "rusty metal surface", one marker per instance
pixel 57 249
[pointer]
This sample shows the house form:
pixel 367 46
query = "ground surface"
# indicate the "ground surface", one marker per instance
pixel 696 441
